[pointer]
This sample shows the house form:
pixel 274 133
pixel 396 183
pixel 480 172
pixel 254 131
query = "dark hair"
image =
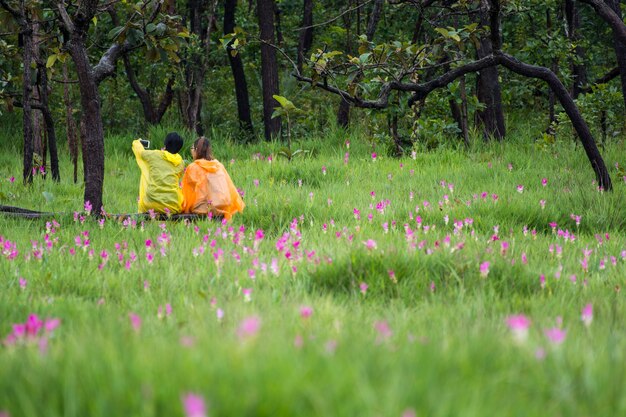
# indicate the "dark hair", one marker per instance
pixel 203 149
pixel 173 142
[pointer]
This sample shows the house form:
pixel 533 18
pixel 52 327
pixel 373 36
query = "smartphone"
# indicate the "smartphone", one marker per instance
pixel 145 143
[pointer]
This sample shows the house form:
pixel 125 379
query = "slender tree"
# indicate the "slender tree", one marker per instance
pixel 488 85
pixel 236 66
pixel 269 67
pixel 306 33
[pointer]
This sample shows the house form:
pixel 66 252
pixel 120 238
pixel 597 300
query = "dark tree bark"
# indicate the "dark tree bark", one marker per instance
pixel 488 85
pixel 24 22
pixel 236 66
pixel 269 67
pixel 76 29
pixel 190 99
pixel 27 41
pixel 579 71
pixel 343 114
pixel 48 121
pixel 605 10
pixel 306 33
pixel 72 130
pixel 620 48
pixel 152 113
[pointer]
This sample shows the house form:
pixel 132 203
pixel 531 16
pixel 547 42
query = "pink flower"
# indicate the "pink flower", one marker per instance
pixel 520 188
pixel 306 312
pixel 194 405
pixel 370 244
pixel 363 288
pixel 374 156
pixel 518 324
pixel 51 324
pixel 383 329
pixel 219 313
pixel 555 335
pixel 323 170
pixel 249 327
pixel 88 207
pixel 135 321
pixel 484 269
pixel 544 181
pixel 23 283
pixel 587 315
pixel 247 294
pixel 409 412
pixel 12 179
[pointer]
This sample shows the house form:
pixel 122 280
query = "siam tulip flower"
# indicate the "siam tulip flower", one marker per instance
pixel 306 312
pixel 576 218
pixel 194 405
pixel 249 327
pixel 518 324
pixel 363 288
pixel 542 281
pixel 432 286
pixel 374 156
pixel 135 321
pixel 247 294
pixel 23 283
pixel 12 179
pixel 544 181
pixel 88 207
pixel 409 412
pixel 323 170
pixel 587 315
pixel 298 341
pixel 520 188
pixel 219 313
pixel 370 244
pixel 542 203
pixel 510 167
pixel 484 269
pixel 255 182
pixel 556 335
pixel 383 329
pixel 413 155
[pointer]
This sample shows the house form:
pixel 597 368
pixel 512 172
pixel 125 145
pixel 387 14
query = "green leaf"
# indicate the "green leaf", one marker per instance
pixel 284 103
pixel 443 31
pixel 51 60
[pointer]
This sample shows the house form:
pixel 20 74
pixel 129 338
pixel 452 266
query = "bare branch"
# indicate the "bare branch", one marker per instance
pixel 609 16
pixel 106 65
pixel 334 18
pixel 65 18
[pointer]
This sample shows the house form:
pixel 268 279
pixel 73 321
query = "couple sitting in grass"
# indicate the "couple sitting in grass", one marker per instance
pixel 206 186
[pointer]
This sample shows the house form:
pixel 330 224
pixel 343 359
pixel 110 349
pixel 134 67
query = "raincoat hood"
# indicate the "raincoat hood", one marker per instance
pixel 209 166
pixel 173 158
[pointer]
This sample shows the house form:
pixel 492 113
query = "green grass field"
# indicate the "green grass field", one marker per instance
pixel 350 286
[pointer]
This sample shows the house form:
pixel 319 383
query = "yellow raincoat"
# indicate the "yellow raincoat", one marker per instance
pixel 208 187
pixel 160 175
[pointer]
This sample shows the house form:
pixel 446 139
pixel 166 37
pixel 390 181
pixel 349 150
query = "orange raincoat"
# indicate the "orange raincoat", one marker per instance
pixel 160 175
pixel 207 187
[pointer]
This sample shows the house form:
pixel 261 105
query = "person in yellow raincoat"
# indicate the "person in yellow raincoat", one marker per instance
pixel 207 187
pixel 161 171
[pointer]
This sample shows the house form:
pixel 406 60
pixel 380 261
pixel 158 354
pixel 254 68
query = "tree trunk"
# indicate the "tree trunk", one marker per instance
pixel 269 67
pixel 488 87
pixel 93 143
pixel 27 50
pixel 239 75
pixel 39 145
pixel 306 33
pixel 72 131
pixel 581 127
pixel 579 71
pixel 620 48
pixel 48 122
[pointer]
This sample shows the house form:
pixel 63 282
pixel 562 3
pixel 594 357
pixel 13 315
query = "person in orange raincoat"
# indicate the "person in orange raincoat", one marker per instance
pixel 161 171
pixel 207 187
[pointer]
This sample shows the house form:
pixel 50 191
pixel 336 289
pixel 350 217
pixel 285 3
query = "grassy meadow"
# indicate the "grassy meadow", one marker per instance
pixel 456 282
